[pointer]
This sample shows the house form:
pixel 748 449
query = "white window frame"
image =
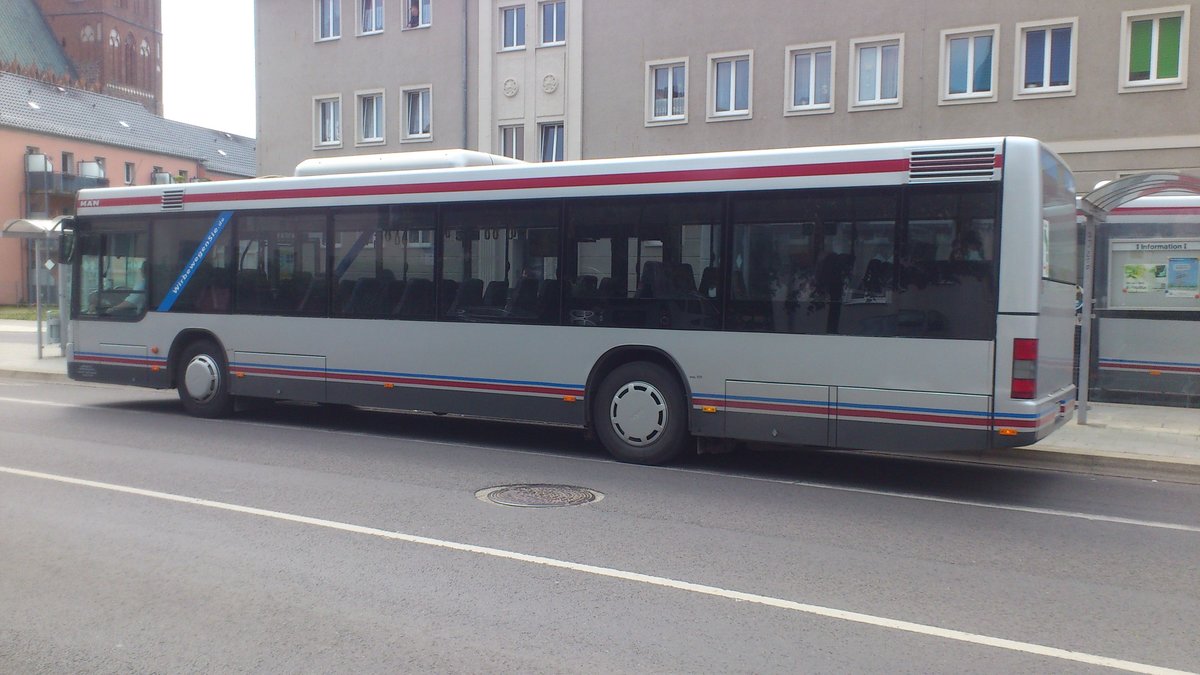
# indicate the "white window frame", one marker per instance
pixel 989 96
pixel 424 14
pixel 789 73
pixel 515 9
pixel 560 5
pixel 560 140
pixel 711 105
pixel 517 143
pixel 130 173
pixel 319 121
pixel 1154 84
pixel 653 120
pixel 1020 91
pixel 361 137
pixel 335 29
pixel 857 44
pixel 377 9
pixel 405 117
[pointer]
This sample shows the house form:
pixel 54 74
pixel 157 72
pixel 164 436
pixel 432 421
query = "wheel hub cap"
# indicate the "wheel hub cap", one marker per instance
pixel 202 378
pixel 638 413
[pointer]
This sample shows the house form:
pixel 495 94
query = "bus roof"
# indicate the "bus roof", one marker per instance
pixel 974 159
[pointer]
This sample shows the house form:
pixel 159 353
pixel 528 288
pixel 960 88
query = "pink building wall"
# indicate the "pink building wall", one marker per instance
pixel 13 145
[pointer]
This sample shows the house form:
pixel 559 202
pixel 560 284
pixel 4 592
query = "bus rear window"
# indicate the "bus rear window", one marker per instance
pixel 1060 238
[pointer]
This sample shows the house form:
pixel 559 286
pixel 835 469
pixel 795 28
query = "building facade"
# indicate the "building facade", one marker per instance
pixel 1106 84
pixel 55 141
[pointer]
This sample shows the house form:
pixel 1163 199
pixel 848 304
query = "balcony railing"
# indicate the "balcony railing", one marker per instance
pixel 60 183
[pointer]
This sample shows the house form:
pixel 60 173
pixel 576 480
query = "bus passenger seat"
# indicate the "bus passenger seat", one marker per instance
pixel 708 282
pixel 417 300
pixel 496 294
pixel 524 297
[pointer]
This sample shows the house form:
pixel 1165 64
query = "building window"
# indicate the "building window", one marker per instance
pixel 420 15
pixel 370 16
pixel 130 173
pixel 729 76
pixel 512 141
pixel 68 163
pixel 810 78
pixel 329 19
pixel 667 91
pixel 968 66
pixel 418 114
pixel 1154 47
pixel 513 21
pixel 371 123
pixel 328 122
pixel 875 72
pixel 552 142
pixel 1046 58
pixel 554 22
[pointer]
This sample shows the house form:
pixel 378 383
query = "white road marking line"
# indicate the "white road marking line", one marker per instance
pixel 1099 518
pixel 664 582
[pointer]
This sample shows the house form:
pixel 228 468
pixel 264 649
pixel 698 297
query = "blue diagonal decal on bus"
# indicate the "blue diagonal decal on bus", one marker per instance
pixel 352 254
pixel 190 268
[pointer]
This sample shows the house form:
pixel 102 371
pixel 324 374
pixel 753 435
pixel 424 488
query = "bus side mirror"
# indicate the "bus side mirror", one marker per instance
pixel 66 246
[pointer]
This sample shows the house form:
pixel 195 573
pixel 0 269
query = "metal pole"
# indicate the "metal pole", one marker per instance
pixel 37 289
pixel 1085 328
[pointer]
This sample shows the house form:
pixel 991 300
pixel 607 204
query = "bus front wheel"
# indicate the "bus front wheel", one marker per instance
pixel 640 414
pixel 204 380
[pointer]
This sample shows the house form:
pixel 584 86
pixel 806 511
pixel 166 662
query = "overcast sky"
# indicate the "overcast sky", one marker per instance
pixel 208 63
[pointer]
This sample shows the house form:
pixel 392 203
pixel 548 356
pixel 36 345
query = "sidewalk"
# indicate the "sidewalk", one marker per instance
pixel 1127 440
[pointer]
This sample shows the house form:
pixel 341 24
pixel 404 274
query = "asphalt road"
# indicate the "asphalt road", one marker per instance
pixel 310 539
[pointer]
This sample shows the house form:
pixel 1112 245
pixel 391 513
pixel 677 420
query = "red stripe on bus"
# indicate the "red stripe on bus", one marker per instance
pixel 653 177
pixel 1156 211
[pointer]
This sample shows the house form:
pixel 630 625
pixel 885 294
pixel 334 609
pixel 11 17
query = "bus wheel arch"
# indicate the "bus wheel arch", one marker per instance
pixel 652 379
pixel 200 372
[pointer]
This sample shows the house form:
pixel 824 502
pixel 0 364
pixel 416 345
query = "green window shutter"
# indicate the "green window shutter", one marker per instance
pixel 1139 49
pixel 1168 46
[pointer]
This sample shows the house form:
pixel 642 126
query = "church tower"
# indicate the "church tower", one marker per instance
pixel 116 45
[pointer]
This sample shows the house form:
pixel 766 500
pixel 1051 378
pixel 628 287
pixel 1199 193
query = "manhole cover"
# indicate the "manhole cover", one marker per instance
pixel 539 495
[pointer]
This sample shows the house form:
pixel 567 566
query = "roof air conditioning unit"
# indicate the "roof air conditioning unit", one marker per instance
pixel 161 178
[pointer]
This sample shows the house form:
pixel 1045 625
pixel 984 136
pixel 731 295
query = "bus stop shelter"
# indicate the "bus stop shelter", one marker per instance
pixel 45 235
pixel 1095 208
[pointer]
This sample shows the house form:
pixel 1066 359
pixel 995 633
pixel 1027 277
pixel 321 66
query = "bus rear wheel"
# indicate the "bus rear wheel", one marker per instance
pixel 204 380
pixel 640 415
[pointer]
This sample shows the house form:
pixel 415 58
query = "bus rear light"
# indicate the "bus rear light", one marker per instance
pixel 1007 432
pixel 1024 368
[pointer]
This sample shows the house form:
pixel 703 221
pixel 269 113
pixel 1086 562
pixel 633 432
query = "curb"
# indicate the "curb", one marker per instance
pixel 1116 465
pixel 34 375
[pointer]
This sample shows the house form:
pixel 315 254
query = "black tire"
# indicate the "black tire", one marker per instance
pixel 203 380
pixel 640 414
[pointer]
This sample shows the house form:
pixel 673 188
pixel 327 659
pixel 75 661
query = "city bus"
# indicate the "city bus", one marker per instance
pixel 899 297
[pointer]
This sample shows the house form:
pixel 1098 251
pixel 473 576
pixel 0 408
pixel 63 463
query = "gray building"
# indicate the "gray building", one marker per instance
pixel 1105 83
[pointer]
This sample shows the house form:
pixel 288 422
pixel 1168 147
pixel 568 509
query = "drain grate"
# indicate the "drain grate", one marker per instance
pixel 539 495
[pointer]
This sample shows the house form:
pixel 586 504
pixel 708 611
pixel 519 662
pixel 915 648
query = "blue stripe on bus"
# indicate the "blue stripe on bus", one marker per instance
pixel 189 269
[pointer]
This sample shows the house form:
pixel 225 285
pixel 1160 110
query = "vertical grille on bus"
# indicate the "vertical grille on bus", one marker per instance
pixel 940 165
pixel 172 200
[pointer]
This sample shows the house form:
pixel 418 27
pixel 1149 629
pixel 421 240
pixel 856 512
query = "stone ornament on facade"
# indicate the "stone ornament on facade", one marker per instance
pixel 549 84
pixel 511 87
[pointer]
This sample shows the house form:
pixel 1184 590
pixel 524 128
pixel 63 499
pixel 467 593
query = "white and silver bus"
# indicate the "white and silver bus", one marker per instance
pixel 896 297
